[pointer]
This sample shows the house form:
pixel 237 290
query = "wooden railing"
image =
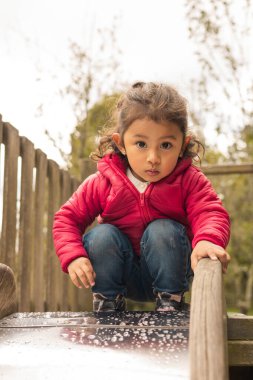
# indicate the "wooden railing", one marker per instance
pixel 32 188
pixel 219 344
pixel 246 168
pixel 208 328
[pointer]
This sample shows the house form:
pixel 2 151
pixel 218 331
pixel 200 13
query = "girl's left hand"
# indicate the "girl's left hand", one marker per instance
pixel 205 248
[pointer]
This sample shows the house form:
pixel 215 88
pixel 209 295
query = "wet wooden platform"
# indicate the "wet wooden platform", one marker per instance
pixel 61 345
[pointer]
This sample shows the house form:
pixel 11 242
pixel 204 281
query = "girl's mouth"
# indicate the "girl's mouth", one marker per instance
pixel 152 172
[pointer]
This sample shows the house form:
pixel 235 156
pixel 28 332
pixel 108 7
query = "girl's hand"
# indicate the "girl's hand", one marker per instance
pixel 81 272
pixel 207 249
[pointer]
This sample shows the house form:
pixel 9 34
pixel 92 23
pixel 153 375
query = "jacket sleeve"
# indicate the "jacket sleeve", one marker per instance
pixel 73 218
pixel 207 217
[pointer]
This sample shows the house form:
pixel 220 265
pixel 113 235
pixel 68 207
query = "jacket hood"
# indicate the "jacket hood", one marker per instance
pixel 113 163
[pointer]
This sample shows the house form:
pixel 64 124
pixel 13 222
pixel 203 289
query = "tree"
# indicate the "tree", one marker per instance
pixel 83 139
pixel 94 73
pixel 94 76
pixel 221 33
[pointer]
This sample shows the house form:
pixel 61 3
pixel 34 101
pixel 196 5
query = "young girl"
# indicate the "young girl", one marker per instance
pixel 157 213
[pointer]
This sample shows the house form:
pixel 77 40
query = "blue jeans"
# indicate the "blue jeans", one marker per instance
pixel 163 266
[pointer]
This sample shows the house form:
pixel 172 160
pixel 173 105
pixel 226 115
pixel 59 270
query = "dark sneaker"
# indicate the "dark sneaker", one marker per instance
pixel 101 303
pixel 170 302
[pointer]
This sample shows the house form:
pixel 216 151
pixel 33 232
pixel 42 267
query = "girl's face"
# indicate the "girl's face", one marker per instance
pixel 152 148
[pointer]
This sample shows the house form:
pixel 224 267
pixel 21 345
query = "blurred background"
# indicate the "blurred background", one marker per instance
pixel 63 63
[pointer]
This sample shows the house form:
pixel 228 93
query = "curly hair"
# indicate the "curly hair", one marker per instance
pixel 155 101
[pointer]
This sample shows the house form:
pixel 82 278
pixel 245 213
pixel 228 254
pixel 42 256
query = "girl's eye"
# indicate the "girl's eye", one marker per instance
pixel 141 144
pixel 166 145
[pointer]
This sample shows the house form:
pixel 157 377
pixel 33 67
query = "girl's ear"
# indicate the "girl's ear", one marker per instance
pixel 186 142
pixel 117 140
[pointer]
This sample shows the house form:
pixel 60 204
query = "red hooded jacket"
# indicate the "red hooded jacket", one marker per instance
pixel 186 196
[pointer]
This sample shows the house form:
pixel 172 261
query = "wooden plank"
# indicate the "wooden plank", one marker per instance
pixel 1 129
pixel 1 180
pixel 240 327
pixel 228 169
pixel 240 353
pixel 73 291
pixel 72 296
pixel 74 184
pixel 208 341
pixel 53 269
pixel 80 299
pixel 39 278
pixel 65 195
pixel 66 186
pixel 8 237
pixel 26 225
pixel 88 167
pixel 240 373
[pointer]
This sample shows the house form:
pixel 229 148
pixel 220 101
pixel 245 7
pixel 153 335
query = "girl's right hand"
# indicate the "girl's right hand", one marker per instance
pixel 81 272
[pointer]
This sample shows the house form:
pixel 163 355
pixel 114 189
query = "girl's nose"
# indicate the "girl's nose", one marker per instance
pixel 153 157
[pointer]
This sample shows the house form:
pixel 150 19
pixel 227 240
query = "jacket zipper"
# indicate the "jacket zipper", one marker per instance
pixel 144 212
pixel 143 208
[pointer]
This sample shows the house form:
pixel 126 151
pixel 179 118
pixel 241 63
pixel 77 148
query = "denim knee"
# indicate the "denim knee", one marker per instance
pixel 166 253
pixel 163 228
pixel 103 237
pixel 111 256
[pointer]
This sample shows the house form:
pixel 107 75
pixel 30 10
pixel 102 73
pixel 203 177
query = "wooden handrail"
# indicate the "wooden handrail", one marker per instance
pixel 246 168
pixel 89 167
pixel 208 332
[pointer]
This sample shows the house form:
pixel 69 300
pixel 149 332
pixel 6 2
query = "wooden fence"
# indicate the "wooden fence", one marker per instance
pixel 32 188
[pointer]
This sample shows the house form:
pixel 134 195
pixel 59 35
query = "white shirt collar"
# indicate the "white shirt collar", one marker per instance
pixel 140 185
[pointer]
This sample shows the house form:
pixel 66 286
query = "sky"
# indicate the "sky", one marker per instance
pixel 35 56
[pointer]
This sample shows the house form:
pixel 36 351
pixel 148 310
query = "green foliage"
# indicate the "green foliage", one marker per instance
pixel 212 156
pixel 236 192
pixel 94 75
pixel 222 97
pixel 221 32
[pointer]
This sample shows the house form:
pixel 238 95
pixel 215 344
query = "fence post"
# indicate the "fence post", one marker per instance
pixel 39 278
pixel 72 290
pixel 87 167
pixel 26 223
pixel 1 129
pixel 8 236
pixel 1 140
pixel 52 268
pixel 66 192
pixel 208 331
